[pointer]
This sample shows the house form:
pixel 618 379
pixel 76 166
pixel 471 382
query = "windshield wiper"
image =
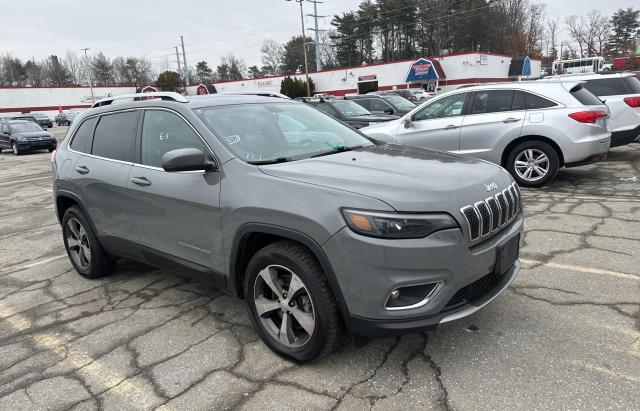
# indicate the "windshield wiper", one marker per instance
pixel 336 149
pixel 271 161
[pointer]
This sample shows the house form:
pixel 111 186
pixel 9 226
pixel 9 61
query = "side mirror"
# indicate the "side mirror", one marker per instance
pixel 187 159
pixel 407 122
pixel 388 110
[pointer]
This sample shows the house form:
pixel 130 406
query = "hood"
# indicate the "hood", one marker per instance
pixel 372 117
pixel 407 178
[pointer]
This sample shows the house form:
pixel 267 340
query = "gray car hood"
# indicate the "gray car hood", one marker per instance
pixel 406 178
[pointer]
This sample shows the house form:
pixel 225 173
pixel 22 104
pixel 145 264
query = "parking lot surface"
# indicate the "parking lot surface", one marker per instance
pixel 565 335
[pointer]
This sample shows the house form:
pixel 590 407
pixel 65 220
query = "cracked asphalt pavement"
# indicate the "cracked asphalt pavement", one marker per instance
pixel 566 335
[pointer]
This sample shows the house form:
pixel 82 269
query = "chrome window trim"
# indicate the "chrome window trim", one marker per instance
pixel 133 163
pixel 422 303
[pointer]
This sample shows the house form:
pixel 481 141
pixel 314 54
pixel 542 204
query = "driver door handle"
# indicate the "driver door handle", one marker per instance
pixel 82 169
pixel 511 120
pixel 451 127
pixel 141 181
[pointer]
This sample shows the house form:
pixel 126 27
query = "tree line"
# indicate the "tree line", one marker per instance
pixel 75 70
pixel 377 31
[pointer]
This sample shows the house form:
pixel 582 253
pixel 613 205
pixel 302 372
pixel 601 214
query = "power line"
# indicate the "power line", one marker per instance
pixel 316 30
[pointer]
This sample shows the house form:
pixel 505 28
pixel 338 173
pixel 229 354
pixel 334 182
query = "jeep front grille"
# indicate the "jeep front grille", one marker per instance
pixel 492 214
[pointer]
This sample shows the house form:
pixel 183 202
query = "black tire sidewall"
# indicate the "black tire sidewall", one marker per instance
pixel 554 162
pixel 315 346
pixel 74 212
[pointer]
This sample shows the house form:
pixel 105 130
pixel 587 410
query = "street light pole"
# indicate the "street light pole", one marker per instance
pixel 86 59
pixel 304 48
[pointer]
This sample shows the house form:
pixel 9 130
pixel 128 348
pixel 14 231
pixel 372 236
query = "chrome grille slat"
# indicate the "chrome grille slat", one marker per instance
pixel 492 214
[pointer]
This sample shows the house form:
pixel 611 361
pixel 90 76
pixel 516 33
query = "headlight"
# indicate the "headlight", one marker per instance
pixel 396 226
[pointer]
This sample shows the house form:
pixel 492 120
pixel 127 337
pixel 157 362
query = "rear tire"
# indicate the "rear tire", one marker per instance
pixel 83 248
pixel 533 163
pixel 287 266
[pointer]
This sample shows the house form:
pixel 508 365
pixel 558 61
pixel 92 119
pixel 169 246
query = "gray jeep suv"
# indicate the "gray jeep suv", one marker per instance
pixel 315 225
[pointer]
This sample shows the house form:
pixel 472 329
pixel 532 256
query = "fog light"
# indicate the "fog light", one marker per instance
pixel 412 296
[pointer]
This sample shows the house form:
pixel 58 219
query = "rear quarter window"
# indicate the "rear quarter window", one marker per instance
pixel 584 96
pixel 607 86
pixel 633 84
pixel 83 137
pixel 534 102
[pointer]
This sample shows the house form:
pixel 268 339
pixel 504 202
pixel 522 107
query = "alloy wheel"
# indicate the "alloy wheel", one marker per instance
pixel 78 243
pixel 14 147
pixel 532 164
pixel 284 306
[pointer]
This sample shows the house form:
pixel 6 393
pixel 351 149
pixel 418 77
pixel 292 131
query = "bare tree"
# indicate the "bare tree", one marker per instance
pixel 73 63
pixel 552 36
pixel 600 30
pixel 578 32
pixel 272 55
pixel 535 29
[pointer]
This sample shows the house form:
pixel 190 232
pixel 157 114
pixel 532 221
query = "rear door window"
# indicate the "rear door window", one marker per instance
pixel 115 136
pixel 585 96
pixel 534 102
pixel 492 101
pixel 607 86
pixel 378 105
pixel 84 136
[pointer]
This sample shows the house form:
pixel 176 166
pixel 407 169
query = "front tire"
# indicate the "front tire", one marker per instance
pixel 16 150
pixel 533 163
pixel 83 248
pixel 290 302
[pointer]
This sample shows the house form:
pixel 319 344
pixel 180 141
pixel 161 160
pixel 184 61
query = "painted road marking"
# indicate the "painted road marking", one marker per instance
pixel 34 264
pixel 109 379
pixel 606 371
pixel 582 269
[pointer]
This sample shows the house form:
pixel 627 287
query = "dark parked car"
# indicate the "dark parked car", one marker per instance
pixel 43 120
pixel 349 112
pixel 66 118
pixel 405 93
pixel 384 103
pixel 24 135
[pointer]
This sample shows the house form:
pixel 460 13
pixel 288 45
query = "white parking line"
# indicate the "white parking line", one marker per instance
pixel 109 379
pixel 34 264
pixel 581 269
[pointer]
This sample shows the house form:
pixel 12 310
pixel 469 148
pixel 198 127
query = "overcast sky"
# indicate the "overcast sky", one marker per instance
pixel 211 29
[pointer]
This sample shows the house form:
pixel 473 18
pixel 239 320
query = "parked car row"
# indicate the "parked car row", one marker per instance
pixel 531 128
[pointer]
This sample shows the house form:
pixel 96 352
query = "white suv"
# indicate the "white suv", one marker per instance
pixel 621 93
pixel 532 128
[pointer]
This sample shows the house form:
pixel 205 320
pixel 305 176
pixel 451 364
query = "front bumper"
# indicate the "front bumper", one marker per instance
pixel 369 269
pixel 36 145
pixel 624 137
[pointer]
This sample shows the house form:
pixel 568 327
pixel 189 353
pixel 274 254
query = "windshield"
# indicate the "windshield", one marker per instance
pixel 349 108
pixel 400 102
pixel 265 132
pixel 25 127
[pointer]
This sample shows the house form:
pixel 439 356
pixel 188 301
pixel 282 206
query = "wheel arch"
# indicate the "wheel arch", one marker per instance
pixel 250 238
pixel 523 139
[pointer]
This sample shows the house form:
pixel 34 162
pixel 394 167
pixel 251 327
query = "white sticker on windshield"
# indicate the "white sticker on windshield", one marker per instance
pixel 232 139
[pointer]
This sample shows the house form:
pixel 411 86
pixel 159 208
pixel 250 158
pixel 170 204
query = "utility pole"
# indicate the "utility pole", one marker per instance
pixel 304 48
pixel 184 61
pixel 178 60
pixel 86 61
pixel 317 32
